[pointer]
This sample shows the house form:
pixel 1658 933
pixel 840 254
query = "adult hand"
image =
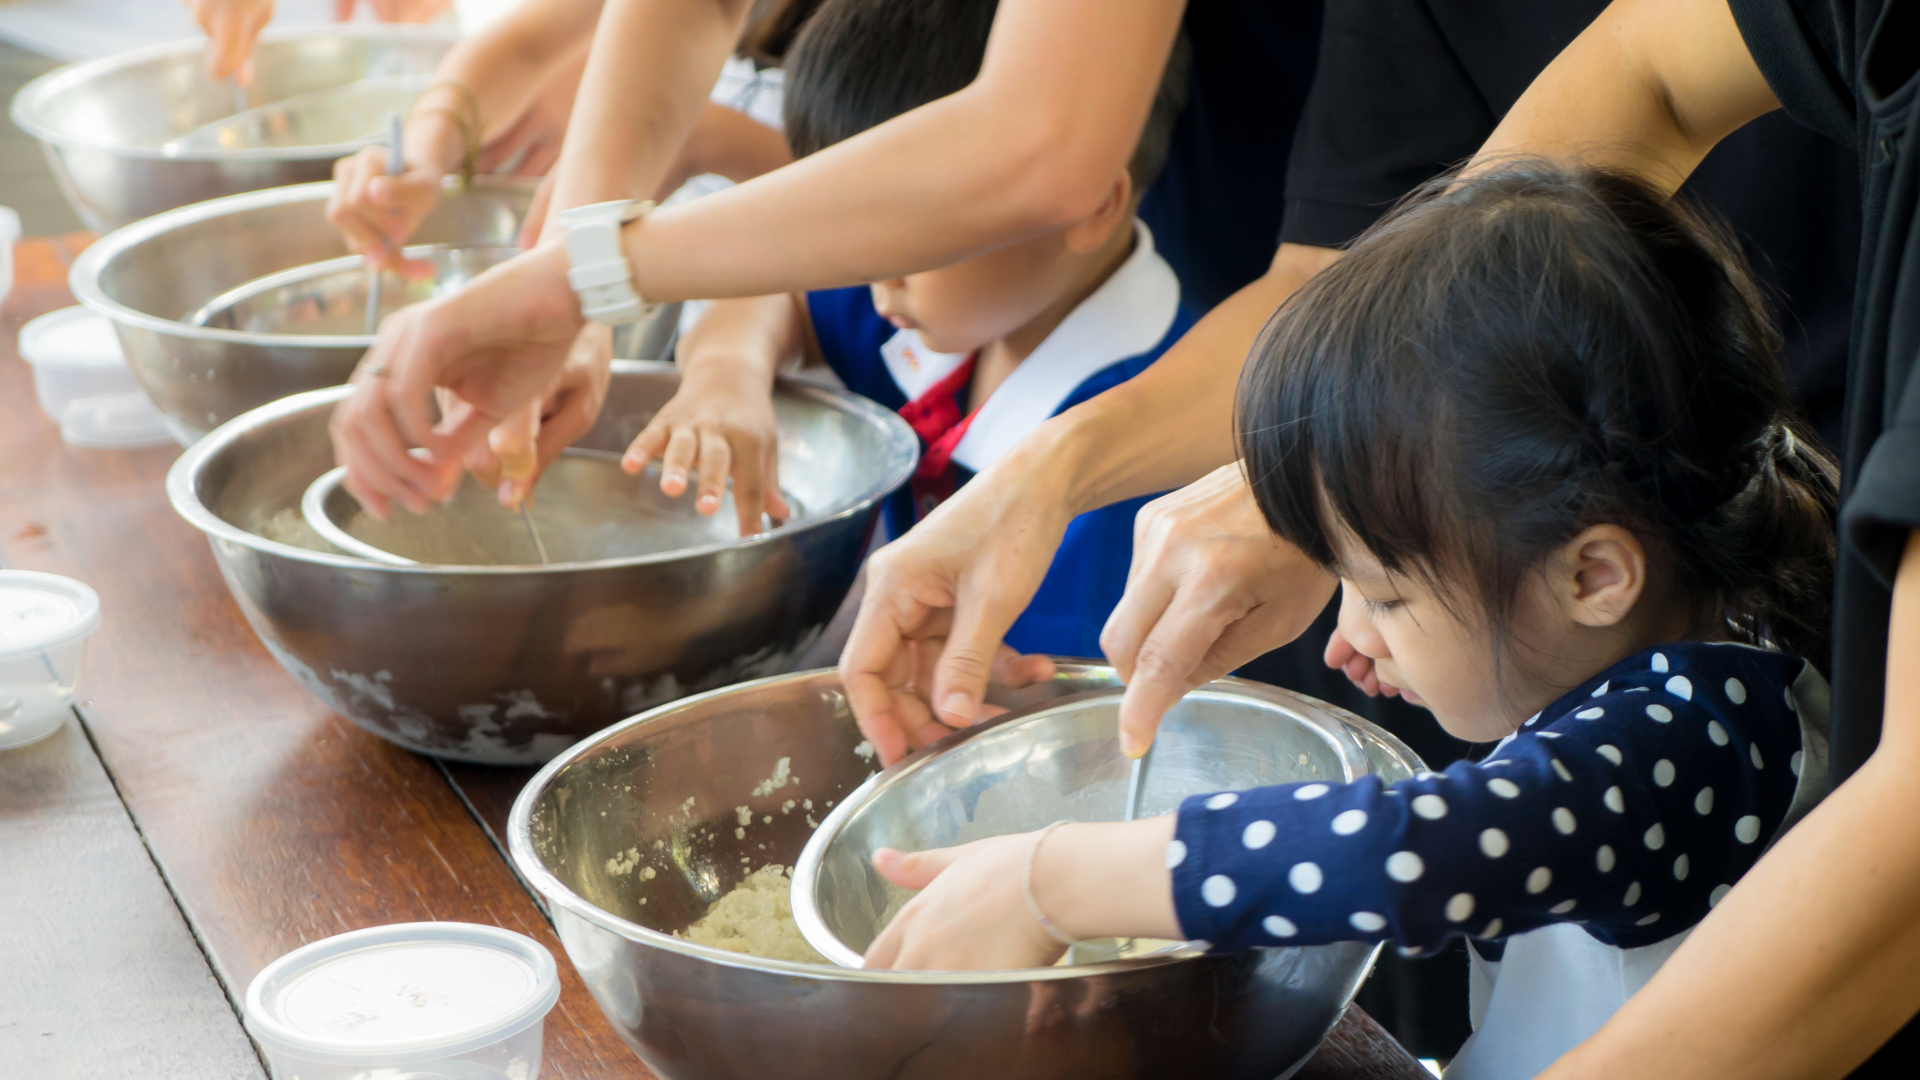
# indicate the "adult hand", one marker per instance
pixel 401 11
pixel 518 450
pixel 939 600
pixel 376 212
pixel 496 344
pixel 720 424
pixel 1357 666
pixel 231 26
pixel 1211 587
pixel 531 143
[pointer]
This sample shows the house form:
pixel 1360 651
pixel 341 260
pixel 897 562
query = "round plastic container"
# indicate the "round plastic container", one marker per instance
pixel 83 383
pixel 45 620
pixel 412 1001
pixel 9 236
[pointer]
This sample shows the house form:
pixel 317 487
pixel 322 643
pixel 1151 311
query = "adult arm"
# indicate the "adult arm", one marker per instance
pixel 962 577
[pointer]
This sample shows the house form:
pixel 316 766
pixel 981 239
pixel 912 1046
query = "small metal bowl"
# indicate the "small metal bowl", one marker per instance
pixel 587 508
pixel 330 297
pixel 1056 762
pixel 111 127
pixel 630 835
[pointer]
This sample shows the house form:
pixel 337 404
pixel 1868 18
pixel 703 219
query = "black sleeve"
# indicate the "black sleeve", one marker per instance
pixel 1885 504
pixel 1805 49
pixel 1391 107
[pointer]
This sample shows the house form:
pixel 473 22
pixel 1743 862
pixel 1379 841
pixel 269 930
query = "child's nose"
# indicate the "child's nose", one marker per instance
pixel 1357 628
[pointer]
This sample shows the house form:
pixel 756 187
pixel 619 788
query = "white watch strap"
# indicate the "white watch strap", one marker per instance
pixel 597 261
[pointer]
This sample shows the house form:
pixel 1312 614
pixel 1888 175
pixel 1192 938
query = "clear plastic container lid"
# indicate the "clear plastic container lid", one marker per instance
pixel 71 337
pixel 126 421
pixel 389 995
pixel 43 611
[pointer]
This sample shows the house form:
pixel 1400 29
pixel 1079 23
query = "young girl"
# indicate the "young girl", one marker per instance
pixel 1535 422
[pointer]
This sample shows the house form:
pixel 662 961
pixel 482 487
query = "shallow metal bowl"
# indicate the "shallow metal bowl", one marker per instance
pixel 585 507
pixel 510 664
pixel 152 278
pixel 1057 762
pixel 630 835
pixel 330 298
pixel 106 124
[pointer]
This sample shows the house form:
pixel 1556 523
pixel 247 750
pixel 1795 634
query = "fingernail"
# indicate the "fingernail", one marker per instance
pixel 959 705
pixel 633 463
pixel 885 855
pixel 707 504
pixel 1131 746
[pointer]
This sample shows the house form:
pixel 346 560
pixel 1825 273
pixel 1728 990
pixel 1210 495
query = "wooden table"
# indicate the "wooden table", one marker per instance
pixel 200 814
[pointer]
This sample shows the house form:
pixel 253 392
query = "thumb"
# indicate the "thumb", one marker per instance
pixel 513 442
pixel 913 869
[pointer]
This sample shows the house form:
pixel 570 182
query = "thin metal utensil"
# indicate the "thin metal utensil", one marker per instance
pixel 1135 782
pixel 395 166
pixel 526 516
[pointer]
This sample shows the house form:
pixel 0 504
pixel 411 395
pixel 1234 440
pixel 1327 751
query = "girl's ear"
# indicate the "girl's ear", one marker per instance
pixel 1092 231
pixel 1603 574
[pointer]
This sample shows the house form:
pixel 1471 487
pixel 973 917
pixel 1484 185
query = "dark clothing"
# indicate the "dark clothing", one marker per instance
pixel 1848 70
pixel 1216 209
pixel 1409 88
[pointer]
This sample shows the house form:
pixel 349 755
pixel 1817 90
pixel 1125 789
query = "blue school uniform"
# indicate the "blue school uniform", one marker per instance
pixel 1575 859
pixel 1124 326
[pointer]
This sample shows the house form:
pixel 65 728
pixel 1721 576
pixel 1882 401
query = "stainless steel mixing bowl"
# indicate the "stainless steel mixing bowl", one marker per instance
pixel 1057 762
pixel 330 298
pixel 151 278
pixel 510 664
pixel 630 835
pixel 105 124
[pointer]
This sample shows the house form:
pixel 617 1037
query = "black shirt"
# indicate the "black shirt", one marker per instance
pixel 1409 88
pixel 1848 69
pixel 1215 210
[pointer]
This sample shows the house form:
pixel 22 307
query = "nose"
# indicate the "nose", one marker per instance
pixel 1357 628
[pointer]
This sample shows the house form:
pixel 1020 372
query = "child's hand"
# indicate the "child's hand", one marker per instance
pixel 970 916
pixel 1357 666
pixel 1107 879
pixel 720 424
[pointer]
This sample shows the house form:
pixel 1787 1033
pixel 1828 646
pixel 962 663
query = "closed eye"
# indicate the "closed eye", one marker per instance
pixel 1377 608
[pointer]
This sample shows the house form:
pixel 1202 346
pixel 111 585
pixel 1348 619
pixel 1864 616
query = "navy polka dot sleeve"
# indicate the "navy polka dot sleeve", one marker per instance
pixel 1630 805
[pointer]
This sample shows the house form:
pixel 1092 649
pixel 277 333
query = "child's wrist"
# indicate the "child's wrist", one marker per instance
pixel 1108 879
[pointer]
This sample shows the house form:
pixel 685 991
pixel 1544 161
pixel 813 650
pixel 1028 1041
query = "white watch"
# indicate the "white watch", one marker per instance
pixel 597 261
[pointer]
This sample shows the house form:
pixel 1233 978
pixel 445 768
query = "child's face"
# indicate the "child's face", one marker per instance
pixel 959 308
pixel 991 297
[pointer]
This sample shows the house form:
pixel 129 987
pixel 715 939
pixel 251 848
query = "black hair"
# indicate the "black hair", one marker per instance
pixel 856 64
pixel 770 29
pixel 1510 358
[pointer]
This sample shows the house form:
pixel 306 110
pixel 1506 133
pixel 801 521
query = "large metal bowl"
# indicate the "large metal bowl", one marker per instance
pixel 1055 762
pixel 105 124
pixel 510 664
pixel 151 277
pixel 630 835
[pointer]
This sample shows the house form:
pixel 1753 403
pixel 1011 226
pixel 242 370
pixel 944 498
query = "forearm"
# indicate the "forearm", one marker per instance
pixel 1649 87
pixel 729 143
pixel 745 341
pixel 1031 146
pixel 502 69
pixel 1108 879
pixel 1172 423
pixel 1813 959
pixel 652 66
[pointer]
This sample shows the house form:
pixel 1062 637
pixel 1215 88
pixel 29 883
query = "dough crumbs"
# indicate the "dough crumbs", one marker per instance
pixel 648 873
pixel 745 814
pixel 756 918
pixel 807 803
pixel 623 863
pixel 739 834
pixel 864 750
pixel 787 807
pixel 768 819
pixel 781 774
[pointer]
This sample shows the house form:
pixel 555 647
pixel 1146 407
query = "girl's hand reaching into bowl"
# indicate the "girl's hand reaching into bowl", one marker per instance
pixel 1100 880
pixel 719 425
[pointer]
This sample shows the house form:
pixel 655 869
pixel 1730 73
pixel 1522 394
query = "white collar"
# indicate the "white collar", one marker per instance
pixel 1127 315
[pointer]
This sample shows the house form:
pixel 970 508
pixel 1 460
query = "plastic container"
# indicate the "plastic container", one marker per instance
pixel 411 1001
pixel 83 383
pixel 9 236
pixel 45 621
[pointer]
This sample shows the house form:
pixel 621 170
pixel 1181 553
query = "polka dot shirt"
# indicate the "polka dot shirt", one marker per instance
pixel 1630 806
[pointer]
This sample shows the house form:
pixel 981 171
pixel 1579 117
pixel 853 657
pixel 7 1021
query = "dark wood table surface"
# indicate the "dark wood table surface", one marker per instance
pixel 200 814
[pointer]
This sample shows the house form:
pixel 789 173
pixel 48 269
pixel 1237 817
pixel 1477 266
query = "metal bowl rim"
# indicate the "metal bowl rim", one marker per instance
pixel 32 97
pixel 806 867
pixel 520 848
pixel 84 278
pixel 181 478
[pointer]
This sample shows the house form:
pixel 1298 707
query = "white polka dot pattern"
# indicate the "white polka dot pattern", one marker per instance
pixel 1610 810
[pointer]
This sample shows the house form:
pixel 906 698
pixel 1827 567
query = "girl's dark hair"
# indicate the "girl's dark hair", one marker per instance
pixel 1511 358
pixel 771 27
